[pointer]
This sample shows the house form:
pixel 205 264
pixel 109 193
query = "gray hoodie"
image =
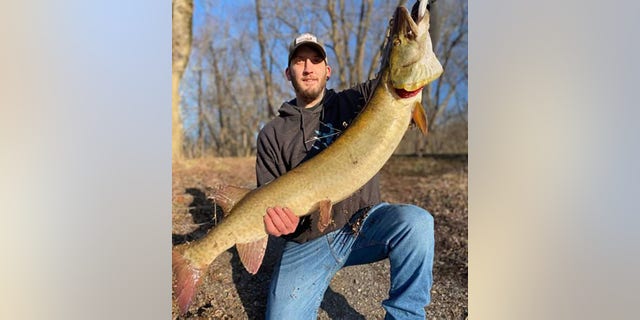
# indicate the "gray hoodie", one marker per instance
pixel 298 134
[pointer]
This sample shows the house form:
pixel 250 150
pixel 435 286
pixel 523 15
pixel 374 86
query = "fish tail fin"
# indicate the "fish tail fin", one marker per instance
pixel 187 280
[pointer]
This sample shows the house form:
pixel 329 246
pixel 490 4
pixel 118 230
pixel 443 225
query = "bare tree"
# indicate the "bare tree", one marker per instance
pixel 363 28
pixel 182 14
pixel 336 37
pixel 450 27
pixel 263 62
pixel 442 99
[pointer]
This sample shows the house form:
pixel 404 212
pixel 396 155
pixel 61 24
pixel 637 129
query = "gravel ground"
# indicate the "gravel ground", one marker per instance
pixel 229 292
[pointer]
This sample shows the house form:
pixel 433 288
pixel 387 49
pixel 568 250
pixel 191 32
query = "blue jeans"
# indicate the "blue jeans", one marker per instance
pixel 402 233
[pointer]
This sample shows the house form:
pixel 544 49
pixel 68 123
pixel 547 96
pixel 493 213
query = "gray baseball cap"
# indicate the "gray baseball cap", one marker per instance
pixel 309 40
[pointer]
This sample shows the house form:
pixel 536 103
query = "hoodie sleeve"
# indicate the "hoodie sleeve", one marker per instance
pixel 266 159
pixel 364 90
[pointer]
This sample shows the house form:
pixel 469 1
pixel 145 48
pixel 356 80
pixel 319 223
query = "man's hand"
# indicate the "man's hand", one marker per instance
pixel 280 221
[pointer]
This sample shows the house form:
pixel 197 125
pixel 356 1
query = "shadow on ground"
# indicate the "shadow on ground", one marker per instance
pixel 204 213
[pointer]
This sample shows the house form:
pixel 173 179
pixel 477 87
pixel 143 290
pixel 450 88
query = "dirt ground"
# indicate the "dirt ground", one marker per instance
pixel 438 184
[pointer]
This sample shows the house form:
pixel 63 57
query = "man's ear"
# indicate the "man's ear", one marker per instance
pixel 328 72
pixel 287 73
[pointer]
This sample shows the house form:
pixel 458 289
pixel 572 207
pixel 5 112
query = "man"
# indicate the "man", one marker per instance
pixel 364 229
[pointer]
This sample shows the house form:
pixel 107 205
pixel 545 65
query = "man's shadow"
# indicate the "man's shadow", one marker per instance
pixel 337 307
pixel 204 213
pixel 253 289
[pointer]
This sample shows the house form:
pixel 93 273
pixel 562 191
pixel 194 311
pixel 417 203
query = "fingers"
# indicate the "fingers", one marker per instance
pixel 292 218
pixel 275 218
pixel 269 227
pixel 280 221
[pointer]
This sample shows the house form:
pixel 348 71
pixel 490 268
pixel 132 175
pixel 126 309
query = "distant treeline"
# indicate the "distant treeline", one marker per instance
pixel 234 81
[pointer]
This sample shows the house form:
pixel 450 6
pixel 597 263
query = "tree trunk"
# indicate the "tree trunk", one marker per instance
pixel 182 14
pixel 363 30
pixel 263 62
pixel 337 44
pixel 201 120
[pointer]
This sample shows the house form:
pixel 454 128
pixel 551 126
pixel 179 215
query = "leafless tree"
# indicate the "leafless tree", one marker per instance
pixel 446 107
pixel 182 15
pixel 263 62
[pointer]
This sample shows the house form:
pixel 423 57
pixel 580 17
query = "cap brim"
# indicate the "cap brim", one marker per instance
pixel 312 44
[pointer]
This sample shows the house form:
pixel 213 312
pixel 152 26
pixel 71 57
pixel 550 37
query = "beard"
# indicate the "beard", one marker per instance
pixel 308 94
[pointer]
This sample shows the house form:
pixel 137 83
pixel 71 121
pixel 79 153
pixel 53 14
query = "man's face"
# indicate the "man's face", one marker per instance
pixel 308 73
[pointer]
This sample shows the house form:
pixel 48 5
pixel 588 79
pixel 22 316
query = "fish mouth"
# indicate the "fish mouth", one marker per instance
pixel 408 29
pixel 406 23
pixel 404 94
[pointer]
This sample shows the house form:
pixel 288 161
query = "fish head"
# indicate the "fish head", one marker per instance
pixel 412 62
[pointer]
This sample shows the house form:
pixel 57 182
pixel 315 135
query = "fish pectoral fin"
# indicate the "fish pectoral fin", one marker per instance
pixel 251 254
pixel 420 117
pixel 325 214
pixel 227 196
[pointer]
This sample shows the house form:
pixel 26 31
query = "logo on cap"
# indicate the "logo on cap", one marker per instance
pixel 305 37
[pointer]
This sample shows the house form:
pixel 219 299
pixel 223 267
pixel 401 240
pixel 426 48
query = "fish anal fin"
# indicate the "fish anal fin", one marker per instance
pixel 252 253
pixel 325 214
pixel 227 196
pixel 420 117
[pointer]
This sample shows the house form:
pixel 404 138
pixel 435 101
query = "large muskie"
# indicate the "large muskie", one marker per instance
pixel 335 173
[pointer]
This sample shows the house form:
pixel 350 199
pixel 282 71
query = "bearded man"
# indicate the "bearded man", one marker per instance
pixel 363 229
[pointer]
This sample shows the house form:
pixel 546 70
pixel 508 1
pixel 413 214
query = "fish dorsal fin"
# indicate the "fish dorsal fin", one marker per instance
pixel 325 214
pixel 420 117
pixel 227 196
pixel 251 254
